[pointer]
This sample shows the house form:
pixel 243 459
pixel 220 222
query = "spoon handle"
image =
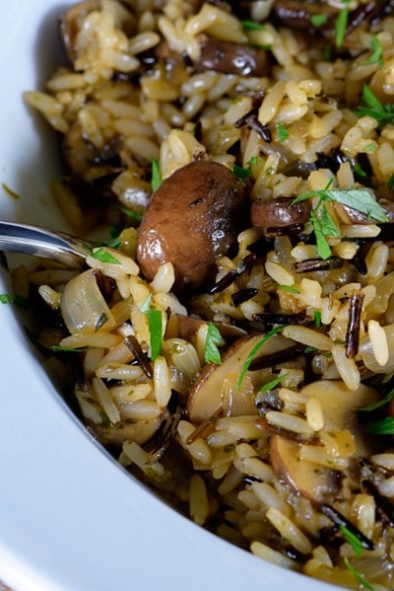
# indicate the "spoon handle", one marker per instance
pixel 41 242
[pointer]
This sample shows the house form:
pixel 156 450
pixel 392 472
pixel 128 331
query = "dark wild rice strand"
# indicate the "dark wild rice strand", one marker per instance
pixel 134 346
pixel 311 265
pixel 340 520
pixel 353 330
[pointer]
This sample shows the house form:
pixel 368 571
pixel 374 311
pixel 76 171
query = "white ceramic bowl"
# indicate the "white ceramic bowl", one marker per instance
pixel 70 518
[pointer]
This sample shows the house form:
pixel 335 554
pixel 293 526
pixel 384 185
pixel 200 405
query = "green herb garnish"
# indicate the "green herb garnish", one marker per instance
pixel 254 352
pixel 352 540
pixel 252 25
pixel 318 20
pixel 155 330
pixel 10 192
pixel 211 351
pixel 375 405
pixel 242 172
pixel 273 383
pixel 132 213
pixel 383 427
pixel 254 160
pixel 376 56
pixel 289 288
pixel 156 175
pixel 373 108
pixel 361 173
pixel 310 350
pixel 341 25
pixel 359 576
pixel 322 222
pixel 18 300
pixel 371 148
pixel 155 327
pixel 60 349
pixel 282 132
pixel 105 257
pixel 317 318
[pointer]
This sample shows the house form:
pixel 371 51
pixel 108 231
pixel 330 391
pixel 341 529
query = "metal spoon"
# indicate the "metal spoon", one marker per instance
pixel 41 242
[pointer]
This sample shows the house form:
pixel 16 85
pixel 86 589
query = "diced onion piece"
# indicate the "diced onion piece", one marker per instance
pixel 83 306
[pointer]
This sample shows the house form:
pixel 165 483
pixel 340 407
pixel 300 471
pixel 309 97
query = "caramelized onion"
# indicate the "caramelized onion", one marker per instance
pixel 83 306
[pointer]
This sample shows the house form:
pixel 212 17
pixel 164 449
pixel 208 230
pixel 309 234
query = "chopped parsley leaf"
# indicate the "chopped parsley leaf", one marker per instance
pixel 373 108
pixel 383 427
pixel 254 352
pixel 352 540
pixel 376 56
pixel 156 175
pixel 273 383
pixel 359 576
pixel 318 20
pixel 252 25
pixel 282 132
pixel 317 318
pixel 340 26
pixel 211 351
pixel 16 299
pixel 104 256
pixel 132 213
pixel 289 288
pixel 375 405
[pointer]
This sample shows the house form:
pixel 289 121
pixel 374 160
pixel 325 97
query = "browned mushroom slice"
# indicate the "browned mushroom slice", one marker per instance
pixel 340 405
pixel 188 326
pixel 297 14
pixel 234 58
pixel 351 216
pixel 279 213
pixel 194 216
pixel 311 480
pixel 208 394
pixel 71 21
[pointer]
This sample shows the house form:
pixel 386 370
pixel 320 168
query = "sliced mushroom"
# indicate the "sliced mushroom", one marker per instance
pixel 351 216
pixel 234 58
pixel 279 213
pixel 70 23
pixel 194 216
pixel 311 480
pixel 207 394
pixel 297 14
pixel 188 326
pixel 339 405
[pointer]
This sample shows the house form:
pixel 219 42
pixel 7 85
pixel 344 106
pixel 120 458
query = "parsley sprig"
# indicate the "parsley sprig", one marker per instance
pixel 321 220
pixel 383 114
pixel 156 175
pixel 341 25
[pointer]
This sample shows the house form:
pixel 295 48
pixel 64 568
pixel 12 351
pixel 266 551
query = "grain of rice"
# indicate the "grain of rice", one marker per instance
pixel 308 337
pixel 346 367
pixel 268 496
pixel 198 500
pixel 314 414
pixel 254 467
pixel 266 553
pixel 162 382
pixel 104 398
pixel 289 422
pixel 289 531
pixel 379 343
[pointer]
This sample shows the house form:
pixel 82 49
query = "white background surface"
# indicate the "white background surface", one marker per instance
pixel 70 518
